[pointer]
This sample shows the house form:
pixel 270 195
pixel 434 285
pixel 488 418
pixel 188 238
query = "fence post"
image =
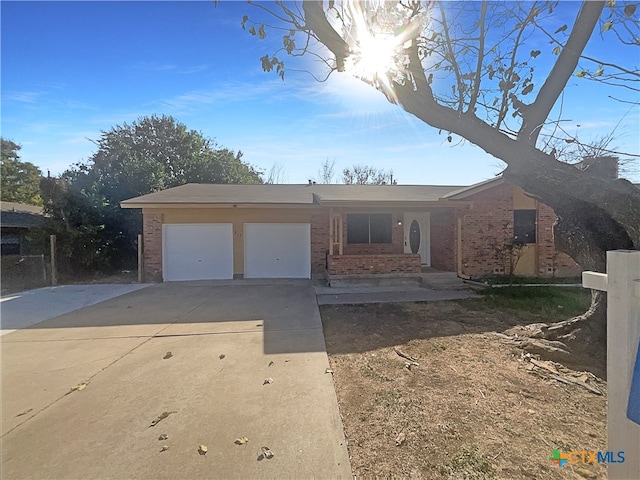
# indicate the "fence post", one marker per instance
pixel 44 269
pixel 54 276
pixel 140 258
pixel 623 335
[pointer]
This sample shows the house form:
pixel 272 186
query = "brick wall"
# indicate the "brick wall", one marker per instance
pixel 152 244
pixel 374 264
pixel 319 242
pixel 551 262
pixel 443 239
pixel 489 224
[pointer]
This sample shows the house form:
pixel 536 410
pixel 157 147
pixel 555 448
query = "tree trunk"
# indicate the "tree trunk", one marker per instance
pixel 584 232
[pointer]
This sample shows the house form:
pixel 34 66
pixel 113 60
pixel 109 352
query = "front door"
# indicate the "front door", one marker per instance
pixel 417 235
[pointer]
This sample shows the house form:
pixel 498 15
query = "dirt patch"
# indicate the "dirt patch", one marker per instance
pixel 473 407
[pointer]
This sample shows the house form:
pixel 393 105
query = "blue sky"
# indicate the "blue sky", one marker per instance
pixel 73 69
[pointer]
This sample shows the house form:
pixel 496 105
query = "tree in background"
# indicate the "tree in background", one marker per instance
pixel 151 154
pixel 326 172
pixel 275 175
pixel 491 73
pixel 20 181
pixel 367 175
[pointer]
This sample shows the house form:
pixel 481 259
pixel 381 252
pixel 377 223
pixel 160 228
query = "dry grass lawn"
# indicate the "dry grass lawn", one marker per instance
pixel 474 407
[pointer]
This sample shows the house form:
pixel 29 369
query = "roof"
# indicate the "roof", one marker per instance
pixel 20 215
pixel 207 194
pixel 381 193
pixel 309 194
pixel 466 192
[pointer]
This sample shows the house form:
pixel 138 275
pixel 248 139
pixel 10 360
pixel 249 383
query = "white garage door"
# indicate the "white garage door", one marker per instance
pixel 197 251
pixel 277 250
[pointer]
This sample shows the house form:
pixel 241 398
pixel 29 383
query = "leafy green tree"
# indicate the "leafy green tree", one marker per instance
pixel 20 181
pixel 151 154
pixel 155 153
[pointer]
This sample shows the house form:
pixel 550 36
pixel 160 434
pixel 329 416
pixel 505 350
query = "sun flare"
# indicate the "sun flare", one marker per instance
pixel 377 38
pixel 374 57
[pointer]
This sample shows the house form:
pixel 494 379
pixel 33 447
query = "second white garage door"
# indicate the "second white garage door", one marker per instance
pixel 277 250
pixel 197 251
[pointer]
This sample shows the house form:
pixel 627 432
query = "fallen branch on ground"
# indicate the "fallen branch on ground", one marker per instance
pixel 405 356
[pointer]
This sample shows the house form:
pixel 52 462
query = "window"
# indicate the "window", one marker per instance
pixel 524 226
pixel 10 245
pixel 369 228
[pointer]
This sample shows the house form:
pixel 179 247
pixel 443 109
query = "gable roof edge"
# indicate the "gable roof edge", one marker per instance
pixel 473 189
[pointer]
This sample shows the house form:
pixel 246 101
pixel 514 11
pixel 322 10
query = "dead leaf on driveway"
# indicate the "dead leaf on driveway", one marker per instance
pixel 167 355
pixel 164 436
pixel 270 364
pixel 241 441
pixel 328 370
pixel 164 448
pixel 203 449
pixel 265 452
pixel 161 417
pixel 268 381
pixel 222 355
pixel 79 387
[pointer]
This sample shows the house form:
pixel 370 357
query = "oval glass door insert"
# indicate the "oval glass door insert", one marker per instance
pixel 414 236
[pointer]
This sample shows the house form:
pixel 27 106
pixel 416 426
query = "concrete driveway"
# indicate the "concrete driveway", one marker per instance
pixel 225 341
pixel 23 309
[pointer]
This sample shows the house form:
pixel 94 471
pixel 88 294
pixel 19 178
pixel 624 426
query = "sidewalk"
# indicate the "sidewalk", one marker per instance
pixel 388 294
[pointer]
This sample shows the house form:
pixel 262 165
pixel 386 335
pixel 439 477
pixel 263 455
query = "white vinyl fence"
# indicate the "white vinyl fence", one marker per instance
pixel 622 284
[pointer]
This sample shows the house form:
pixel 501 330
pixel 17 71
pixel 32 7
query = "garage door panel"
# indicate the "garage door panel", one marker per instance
pixel 277 250
pixel 197 251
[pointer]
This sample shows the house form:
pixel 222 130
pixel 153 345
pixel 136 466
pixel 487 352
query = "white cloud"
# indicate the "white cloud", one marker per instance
pixel 169 67
pixel 25 96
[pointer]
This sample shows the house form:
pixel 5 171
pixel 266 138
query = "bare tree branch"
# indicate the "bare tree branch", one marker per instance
pixel 317 22
pixel 537 112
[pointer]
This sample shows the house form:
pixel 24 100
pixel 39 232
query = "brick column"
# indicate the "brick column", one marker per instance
pixel 152 244
pixel 319 242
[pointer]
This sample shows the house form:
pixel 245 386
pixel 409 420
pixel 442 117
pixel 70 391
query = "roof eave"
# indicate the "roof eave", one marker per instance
pixel 474 189
pixel 157 205
pixel 440 203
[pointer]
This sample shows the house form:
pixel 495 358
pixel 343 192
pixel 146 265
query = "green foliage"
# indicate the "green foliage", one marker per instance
pixel 553 303
pixel 20 181
pixel 151 154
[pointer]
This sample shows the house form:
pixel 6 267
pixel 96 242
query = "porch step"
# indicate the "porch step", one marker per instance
pixel 378 280
pixel 437 280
